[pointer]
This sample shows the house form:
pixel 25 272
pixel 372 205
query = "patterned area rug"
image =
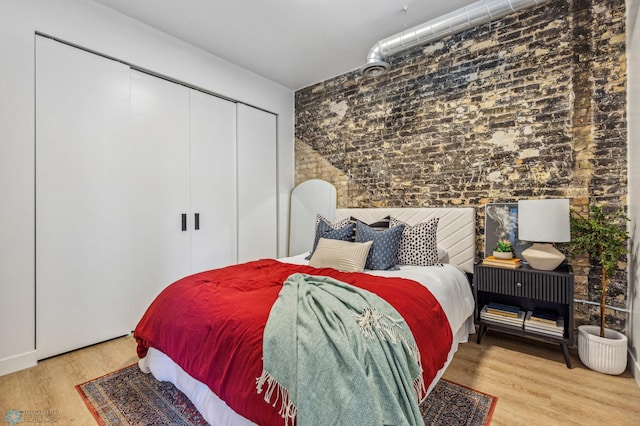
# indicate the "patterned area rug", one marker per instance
pixel 130 397
pixel 451 404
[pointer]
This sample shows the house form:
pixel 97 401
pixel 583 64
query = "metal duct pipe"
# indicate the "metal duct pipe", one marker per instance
pixel 451 23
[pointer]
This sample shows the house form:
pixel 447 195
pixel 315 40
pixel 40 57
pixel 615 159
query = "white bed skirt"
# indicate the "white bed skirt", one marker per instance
pixel 215 410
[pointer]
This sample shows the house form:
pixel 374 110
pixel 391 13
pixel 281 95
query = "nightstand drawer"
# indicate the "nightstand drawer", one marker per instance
pixel 549 287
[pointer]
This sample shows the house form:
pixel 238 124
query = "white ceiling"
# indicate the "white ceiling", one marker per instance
pixel 293 42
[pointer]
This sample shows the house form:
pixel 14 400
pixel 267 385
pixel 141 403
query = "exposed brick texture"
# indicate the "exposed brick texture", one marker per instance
pixel 530 106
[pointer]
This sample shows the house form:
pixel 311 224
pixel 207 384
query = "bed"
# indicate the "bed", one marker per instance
pixel 178 358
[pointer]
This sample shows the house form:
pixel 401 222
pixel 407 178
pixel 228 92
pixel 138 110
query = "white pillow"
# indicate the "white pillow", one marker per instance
pixel 344 256
pixel 443 255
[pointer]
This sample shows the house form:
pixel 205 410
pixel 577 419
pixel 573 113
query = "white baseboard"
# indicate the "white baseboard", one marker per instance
pixel 634 367
pixel 18 362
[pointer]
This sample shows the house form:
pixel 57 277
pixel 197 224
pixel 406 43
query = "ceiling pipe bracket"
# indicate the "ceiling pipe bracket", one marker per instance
pixel 451 23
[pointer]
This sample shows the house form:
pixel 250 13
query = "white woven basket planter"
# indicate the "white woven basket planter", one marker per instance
pixel 605 355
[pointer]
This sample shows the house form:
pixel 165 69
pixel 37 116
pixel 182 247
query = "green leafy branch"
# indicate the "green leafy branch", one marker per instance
pixel 602 236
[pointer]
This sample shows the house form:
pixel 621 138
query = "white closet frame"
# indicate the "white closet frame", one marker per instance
pixel 121 156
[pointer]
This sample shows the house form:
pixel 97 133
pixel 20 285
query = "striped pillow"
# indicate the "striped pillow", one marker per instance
pixel 344 256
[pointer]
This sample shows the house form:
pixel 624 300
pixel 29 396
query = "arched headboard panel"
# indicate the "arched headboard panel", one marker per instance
pixel 308 199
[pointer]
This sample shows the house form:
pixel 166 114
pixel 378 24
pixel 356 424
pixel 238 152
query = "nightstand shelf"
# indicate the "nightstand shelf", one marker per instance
pixel 528 289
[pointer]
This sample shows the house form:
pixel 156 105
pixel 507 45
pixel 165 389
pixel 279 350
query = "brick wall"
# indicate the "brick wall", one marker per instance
pixel 530 106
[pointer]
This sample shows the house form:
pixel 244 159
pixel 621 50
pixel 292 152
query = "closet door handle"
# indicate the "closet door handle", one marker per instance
pixel 184 221
pixel 197 221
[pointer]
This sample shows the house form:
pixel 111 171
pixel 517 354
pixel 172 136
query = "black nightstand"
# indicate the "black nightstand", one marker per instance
pixel 528 289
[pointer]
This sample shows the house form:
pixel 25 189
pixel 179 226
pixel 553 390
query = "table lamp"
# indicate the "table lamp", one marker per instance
pixel 543 222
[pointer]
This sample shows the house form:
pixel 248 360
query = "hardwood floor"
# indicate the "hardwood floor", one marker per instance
pixel 48 389
pixel 534 386
pixel 529 378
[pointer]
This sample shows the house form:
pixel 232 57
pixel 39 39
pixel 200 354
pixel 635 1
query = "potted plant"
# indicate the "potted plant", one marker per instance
pixel 503 250
pixel 602 235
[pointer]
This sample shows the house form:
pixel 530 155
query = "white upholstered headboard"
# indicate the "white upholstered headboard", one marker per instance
pixel 456 227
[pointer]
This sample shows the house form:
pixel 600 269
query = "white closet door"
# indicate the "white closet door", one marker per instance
pixel 213 182
pixel 160 144
pixel 257 184
pixel 82 173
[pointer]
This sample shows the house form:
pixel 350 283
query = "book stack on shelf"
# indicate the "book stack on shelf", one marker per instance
pixel 543 322
pixel 502 314
pixel 504 263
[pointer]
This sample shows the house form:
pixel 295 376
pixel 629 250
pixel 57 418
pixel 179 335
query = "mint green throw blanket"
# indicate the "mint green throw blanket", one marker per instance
pixel 334 354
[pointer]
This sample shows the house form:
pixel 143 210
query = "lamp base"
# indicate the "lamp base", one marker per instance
pixel 543 256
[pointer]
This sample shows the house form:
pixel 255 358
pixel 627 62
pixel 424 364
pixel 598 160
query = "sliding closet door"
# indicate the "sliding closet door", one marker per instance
pixel 82 198
pixel 257 184
pixel 213 182
pixel 160 144
pixel 139 182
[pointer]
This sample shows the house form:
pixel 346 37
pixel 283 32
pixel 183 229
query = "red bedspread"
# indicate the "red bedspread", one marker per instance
pixel 212 323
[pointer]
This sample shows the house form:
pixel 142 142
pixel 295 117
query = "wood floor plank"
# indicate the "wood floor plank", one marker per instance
pixel 529 378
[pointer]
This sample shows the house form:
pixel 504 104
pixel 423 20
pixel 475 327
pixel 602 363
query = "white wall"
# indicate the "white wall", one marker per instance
pixel 633 119
pixel 97 28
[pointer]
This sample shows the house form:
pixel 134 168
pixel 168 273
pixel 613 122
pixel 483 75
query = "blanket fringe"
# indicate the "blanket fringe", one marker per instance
pixel 373 323
pixel 419 387
pixel 288 410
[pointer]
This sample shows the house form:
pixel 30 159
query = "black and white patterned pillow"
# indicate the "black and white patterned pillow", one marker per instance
pixel 378 225
pixel 382 255
pixel 418 245
pixel 343 230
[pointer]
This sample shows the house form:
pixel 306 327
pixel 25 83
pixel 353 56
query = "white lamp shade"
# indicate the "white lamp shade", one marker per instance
pixel 544 221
